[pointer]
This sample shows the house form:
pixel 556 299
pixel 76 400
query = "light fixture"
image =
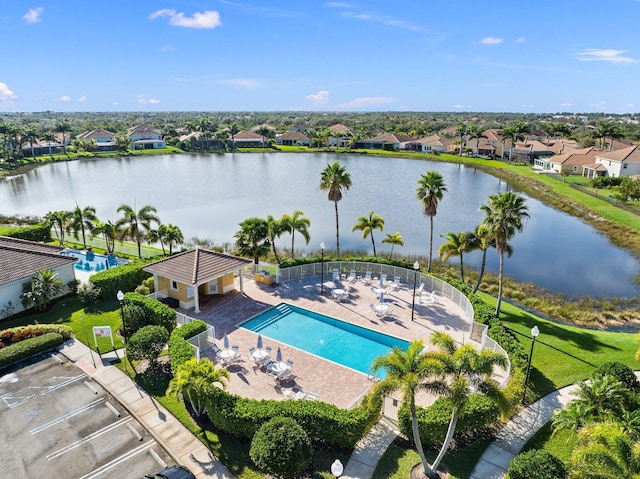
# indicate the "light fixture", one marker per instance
pixel 337 468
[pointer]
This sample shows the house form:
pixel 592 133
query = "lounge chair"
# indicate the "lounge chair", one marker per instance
pixel 428 298
pixel 367 277
pixel 396 283
pixel 352 278
pixel 336 275
pixel 420 291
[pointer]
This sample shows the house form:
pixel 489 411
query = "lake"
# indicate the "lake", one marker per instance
pixel 208 195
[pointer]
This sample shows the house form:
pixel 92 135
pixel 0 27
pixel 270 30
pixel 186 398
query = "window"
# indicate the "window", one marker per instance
pixel 624 166
pixel 174 285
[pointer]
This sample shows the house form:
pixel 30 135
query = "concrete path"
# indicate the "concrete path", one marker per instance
pixel 495 460
pixel 368 451
pixel 185 448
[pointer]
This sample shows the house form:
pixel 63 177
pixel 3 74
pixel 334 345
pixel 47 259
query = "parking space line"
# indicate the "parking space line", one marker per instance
pixel 84 440
pixel 46 390
pixel 102 469
pixel 41 428
pixel 158 459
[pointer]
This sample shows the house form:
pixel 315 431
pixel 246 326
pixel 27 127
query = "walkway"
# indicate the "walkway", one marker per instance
pixel 176 439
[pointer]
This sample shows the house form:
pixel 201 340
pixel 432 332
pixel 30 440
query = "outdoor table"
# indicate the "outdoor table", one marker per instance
pixel 279 368
pixel 337 293
pixel 226 354
pixel 381 308
pixel 260 355
pixel 378 291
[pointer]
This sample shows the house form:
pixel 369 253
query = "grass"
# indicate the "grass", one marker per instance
pixel 560 444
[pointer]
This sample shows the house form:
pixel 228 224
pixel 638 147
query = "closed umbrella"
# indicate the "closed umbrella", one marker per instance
pixel 381 282
pixel 259 343
pixel 226 341
pixel 279 355
pixel 381 296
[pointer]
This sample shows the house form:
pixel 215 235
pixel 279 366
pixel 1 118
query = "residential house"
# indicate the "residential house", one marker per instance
pixel 302 127
pixel 145 137
pixel 248 139
pixel 293 138
pixel 196 273
pixel 491 144
pixel 197 140
pixel 432 144
pixel 20 260
pixel 386 141
pixel 340 136
pixel 530 150
pixel 573 162
pixel 41 147
pixel 103 139
pixel 624 162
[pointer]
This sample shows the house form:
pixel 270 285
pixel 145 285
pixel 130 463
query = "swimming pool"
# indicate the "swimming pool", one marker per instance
pixel 92 262
pixel 343 343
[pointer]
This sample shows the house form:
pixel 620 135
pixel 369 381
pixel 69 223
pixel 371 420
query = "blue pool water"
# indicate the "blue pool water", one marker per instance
pixel 92 262
pixel 329 338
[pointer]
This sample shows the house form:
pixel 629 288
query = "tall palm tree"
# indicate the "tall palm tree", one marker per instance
pixel 49 137
pixel 296 223
pixel 475 132
pixel 409 371
pixel 31 134
pixel 456 245
pixel 253 239
pixel 194 380
pixel 266 134
pixel 109 232
pixel 172 235
pixel 63 127
pixel 605 451
pixel 430 191
pixel 467 371
pixel 45 286
pixel 134 224
pixel 461 130
pixel 393 239
pixel 82 220
pixel 58 221
pixel 367 224
pixel 234 129
pixel 334 178
pixel 504 215
pixel 482 241
pixel 274 231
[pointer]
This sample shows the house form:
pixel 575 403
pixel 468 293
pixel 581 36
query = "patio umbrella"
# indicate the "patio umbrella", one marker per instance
pixel 381 296
pixel 226 341
pixel 278 355
pixel 259 343
pixel 381 282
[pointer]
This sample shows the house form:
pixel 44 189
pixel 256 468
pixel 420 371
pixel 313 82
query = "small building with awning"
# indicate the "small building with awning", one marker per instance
pixel 198 272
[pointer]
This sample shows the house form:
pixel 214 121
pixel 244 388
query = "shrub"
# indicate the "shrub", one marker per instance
pixel 15 335
pixel 433 421
pixel 189 330
pixel 621 372
pixel 147 343
pixel 89 293
pixel 149 284
pixel 125 277
pixel 281 448
pixel 40 232
pixel 180 351
pixel 142 311
pixel 143 290
pixel 536 464
pixel 29 347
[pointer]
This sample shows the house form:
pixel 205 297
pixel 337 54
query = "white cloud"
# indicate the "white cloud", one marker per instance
pixel 344 5
pixel 147 101
pixel 166 48
pixel 64 98
pixel 206 19
pixel 115 103
pixel 6 93
pixel 33 15
pixel 82 99
pixel 566 104
pixel 367 102
pixel 521 40
pixel 492 40
pixel 248 83
pixel 319 99
pixel 629 105
pixel 604 55
pixel 458 106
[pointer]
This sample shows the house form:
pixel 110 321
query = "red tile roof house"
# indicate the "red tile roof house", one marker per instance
pixel 248 139
pixel 573 162
pixel 432 143
pixel 340 135
pixel 20 260
pixel 292 139
pixel 145 137
pixel 386 141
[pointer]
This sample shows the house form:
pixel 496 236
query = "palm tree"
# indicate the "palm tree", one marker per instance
pixel 296 223
pixel 514 132
pixel 504 216
pixel 461 130
pixel 483 240
pixel 604 130
pixel 457 244
pixel 476 132
pixel 109 232
pixel 63 127
pixel 468 371
pixel 266 134
pixel 334 178
pixel 58 221
pixel 253 239
pixel 234 129
pixel 409 371
pixel 81 220
pixel 31 134
pixel 430 190
pixel 45 286
pixel 194 380
pixel 122 141
pixel 48 136
pixel 172 235
pixel 605 451
pixel 274 231
pixel 367 224
pixel 393 239
pixel 133 225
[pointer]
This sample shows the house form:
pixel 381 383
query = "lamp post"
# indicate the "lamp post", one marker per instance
pixel 534 334
pixel 120 297
pixel 416 265
pixel 337 468
pixel 322 269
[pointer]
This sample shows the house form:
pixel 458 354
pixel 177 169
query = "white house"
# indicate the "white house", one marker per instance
pixel 145 137
pixel 624 162
pixel 20 260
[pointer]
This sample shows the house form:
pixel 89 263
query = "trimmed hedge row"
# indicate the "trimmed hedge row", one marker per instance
pixel 40 232
pixel 21 333
pixel 360 259
pixel 433 421
pixel 189 330
pixel 324 423
pixel 29 347
pixel 125 277
pixel 155 312
pixel 180 351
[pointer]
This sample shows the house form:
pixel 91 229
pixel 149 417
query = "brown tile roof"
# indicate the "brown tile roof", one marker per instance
pixel 341 129
pixel 95 134
pixel 625 155
pixel 196 266
pixel 265 125
pixel 247 135
pixel 585 156
pixel 294 135
pixel 21 259
pixel 434 140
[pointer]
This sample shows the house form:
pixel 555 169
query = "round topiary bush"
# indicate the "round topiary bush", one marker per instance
pixel 281 448
pixel 537 464
pixel 621 372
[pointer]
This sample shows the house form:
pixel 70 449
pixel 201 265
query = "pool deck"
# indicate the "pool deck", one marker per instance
pixel 332 383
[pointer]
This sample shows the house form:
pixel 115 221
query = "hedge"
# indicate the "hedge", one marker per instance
pixel 29 347
pixel 192 328
pixel 433 421
pixel 40 232
pixel 125 277
pixel 155 312
pixel 536 464
pixel 325 424
pixel 15 335
pixel 180 351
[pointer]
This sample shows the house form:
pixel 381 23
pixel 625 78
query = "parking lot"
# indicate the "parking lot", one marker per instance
pixel 57 422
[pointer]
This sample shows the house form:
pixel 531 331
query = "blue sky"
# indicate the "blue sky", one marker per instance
pixel 265 55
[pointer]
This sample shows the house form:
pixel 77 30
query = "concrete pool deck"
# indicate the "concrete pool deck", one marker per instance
pixel 332 382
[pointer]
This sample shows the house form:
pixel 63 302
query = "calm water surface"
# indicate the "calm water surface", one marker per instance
pixel 208 195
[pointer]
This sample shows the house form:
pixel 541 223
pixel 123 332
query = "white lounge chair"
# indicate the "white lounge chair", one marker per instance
pixel 420 291
pixel 352 278
pixel 336 275
pixel 366 279
pixel 428 298
pixel 396 283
